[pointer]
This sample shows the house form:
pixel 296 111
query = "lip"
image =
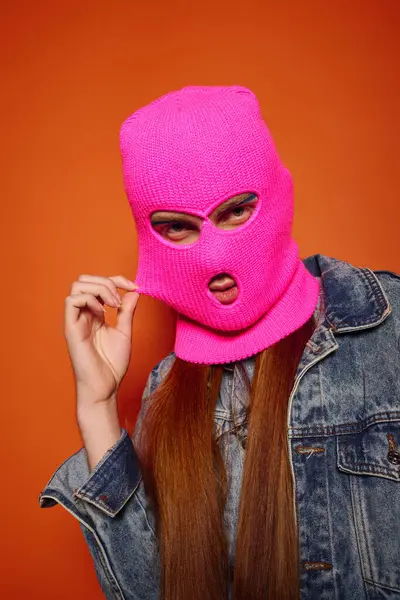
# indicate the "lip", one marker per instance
pixel 224 288
pixel 226 296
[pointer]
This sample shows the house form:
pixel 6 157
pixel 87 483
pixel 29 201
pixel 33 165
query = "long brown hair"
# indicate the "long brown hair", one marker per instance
pixel 185 478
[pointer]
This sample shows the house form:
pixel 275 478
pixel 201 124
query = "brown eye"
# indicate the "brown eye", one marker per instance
pixel 175 230
pixel 236 216
pixel 179 232
pixel 238 211
pixel 176 227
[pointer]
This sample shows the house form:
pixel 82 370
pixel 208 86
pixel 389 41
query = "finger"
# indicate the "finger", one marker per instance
pixel 125 313
pixel 99 280
pixel 75 303
pixel 102 292
pixel 111 282
pixel 124 283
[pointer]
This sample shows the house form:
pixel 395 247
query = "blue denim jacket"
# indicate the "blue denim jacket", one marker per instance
pixel 343 435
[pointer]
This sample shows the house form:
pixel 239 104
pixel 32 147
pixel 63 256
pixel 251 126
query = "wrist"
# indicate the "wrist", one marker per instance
pixel 99 427
pixel 90 397
pixel 88 407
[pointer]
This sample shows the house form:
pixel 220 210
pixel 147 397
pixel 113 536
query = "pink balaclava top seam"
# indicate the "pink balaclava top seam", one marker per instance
pixel 189 151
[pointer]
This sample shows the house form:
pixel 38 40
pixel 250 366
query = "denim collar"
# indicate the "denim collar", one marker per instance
pixel 354 296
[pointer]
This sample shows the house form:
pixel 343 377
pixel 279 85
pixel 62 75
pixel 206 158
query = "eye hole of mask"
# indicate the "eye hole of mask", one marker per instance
pixel 182 228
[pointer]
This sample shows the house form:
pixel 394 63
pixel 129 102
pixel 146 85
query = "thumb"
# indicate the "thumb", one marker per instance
pixel 125 313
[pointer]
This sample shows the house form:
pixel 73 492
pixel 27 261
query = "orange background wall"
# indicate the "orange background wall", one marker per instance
pixel 326 74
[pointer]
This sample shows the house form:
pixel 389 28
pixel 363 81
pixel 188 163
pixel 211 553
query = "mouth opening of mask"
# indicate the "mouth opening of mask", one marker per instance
pixel 223 289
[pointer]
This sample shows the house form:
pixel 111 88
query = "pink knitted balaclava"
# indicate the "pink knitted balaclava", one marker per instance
pixel 189 151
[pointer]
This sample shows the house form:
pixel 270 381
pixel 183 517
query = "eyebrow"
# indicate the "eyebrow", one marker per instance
pixel 175 218
pixel 236 201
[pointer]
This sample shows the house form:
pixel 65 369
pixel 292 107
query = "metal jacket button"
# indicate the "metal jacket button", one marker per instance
pixel 393 453
pixel 394 457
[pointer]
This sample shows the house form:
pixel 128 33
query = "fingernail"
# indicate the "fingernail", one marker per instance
pixel 134 285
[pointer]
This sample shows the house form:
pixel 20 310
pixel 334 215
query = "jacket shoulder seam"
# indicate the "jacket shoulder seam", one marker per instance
pixel 392 274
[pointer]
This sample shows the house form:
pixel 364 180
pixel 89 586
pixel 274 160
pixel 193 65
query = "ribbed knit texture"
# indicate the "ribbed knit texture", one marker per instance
pixel 189 151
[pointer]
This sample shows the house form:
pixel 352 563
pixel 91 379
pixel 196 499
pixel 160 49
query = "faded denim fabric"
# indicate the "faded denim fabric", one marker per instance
pixel 343 434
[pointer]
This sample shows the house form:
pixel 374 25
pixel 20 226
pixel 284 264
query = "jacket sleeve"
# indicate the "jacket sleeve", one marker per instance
pixel 115 477
pixel 112 481
pixel 94 497
pixel 110 504
pixel 108 486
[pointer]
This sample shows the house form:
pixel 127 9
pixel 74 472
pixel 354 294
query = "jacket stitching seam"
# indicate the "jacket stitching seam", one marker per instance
pixel 381 585
pixel 356 426
pixel 145 516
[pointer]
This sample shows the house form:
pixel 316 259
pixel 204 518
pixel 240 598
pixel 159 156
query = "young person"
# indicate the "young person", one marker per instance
pixel 264 463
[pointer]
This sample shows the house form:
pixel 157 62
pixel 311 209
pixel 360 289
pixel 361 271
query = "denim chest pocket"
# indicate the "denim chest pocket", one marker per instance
pixel 371 459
